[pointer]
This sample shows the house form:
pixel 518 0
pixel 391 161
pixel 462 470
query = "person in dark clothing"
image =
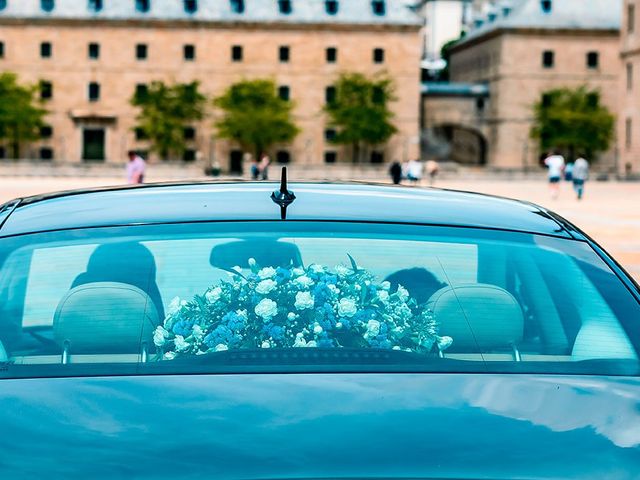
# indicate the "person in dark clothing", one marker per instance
pixel 419 282
pixel 396 172
pixel 129 262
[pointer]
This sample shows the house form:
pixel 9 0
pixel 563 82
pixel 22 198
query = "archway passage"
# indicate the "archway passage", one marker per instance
pixel 465 145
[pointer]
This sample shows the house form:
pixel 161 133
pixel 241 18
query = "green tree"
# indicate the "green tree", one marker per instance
pixel 445 54
pixel 254 116
pixel 21 113
pixel 165 112
pixel 573 121
pixel 360 111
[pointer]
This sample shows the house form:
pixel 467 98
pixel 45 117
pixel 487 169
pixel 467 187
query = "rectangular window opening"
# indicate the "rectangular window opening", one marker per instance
pixel 141 51
pixel 236 53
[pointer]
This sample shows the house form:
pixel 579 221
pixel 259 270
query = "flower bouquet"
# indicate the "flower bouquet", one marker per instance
pixel 298 307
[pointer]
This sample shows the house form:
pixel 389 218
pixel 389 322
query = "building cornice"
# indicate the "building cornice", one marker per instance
pixel 490 35
pixel 210 24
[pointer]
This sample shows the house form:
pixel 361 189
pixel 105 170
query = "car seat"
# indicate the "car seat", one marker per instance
pixel 480 318
pixel 105 318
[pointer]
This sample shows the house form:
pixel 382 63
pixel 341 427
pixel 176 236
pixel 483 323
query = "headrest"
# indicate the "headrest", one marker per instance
pixel 105 317
pixel 478 316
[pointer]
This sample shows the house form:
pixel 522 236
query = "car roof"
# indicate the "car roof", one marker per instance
pixel 244 201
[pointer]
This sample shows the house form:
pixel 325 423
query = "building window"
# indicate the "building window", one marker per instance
pixel 46 50
pixel 285 6
pixel 331 7
pixel 1 49
pixel 143 6
pixel 330 157
pixel 330 94
pixel 189 155
pixel 46 131
pixel 191 6
pixel 46 153
pixel 189 52
pixel 189 133
pixel 377 157
pixel 140 134
pixel 237 6
pixel 284 92
pixel 548 59
pixel 629 77
pixel 546 5
pixel 141 91
pixel 141 51
pixel 95 5
pixel 627 133
pixel 282 156
pixel 378 7
pixel 3 152
pixel 94 51
pixel 332 55
pixel 330 134
pixel 46 90
pixel 631 18
pixel 593 60
pixel 480 104
pixel 47 5
pixel 236 53
pixel 94 92
pixel 284 54
pixel 378 55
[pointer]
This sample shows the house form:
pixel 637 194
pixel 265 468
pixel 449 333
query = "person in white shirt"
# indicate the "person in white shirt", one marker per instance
pixel 555 166
pixel 135 168
pixel 414 171
pixel 580 175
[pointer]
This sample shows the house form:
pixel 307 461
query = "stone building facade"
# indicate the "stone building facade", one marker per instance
pixel 93 55
pixel 525 47
pixel 629 88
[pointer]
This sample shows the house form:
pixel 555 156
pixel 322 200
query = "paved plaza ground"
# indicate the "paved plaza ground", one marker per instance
pixel 610 211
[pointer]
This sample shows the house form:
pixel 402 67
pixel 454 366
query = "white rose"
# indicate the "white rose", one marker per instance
pixel 339 325
pixel 265 344
pixel 303 300
pixel 213 295
pixel 342 271
pixel 296 272
pixel 160 336
pixel 181 344
pixel 266 286
pixel 221 347
pixel 197 332
pixel 383 295
pixel 252 262
pixel 385 285
pixel 267 272
pixel 291 316
pixel 242 313
pixel 317 329
pixel 347 307
pixel 333 289
pixel 300 341
pixel 174 306
pixel 403 293
pixel 373 329
pixel 303 281
pixel 169 356
pixel 315 268
pixel 312 344
pixel 266 309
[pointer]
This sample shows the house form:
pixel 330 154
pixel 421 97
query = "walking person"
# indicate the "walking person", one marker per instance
pixel 396 172
pixel 555 166
pixel 136 168
pixel 414 171
pixel 255 170
pixel 265 161
pixel 580 176
pixel 432 170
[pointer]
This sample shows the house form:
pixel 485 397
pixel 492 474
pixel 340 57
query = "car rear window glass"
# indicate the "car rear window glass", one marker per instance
pixel 309 297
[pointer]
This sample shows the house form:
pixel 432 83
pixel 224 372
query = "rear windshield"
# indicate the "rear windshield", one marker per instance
pixel 309 297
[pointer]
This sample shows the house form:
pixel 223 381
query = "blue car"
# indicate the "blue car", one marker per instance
pixel 311 331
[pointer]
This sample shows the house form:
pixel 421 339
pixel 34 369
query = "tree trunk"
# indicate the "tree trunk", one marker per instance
pixel 15 146
pixel 355 154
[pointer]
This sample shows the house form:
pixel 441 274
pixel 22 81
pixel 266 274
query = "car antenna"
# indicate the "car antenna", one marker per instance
pixel 283 197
